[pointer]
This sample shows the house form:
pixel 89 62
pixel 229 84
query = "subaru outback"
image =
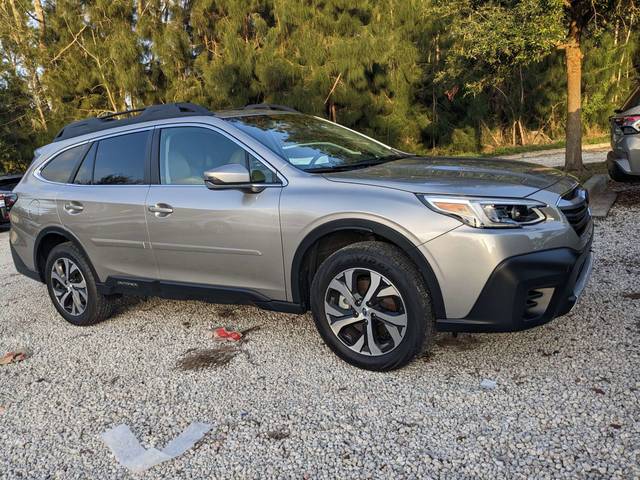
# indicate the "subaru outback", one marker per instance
pixel 623 161
pixel 289 212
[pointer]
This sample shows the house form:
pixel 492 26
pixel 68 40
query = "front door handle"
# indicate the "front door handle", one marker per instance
pixel 73 208
pixel 161 209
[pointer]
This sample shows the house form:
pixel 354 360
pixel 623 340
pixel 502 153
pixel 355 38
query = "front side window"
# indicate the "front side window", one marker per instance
pixel 313 144
pixel 62 166
pixel 120 160
pixel 187 152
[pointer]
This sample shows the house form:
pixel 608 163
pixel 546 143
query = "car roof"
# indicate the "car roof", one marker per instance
pixel 235 113
pixel 161 112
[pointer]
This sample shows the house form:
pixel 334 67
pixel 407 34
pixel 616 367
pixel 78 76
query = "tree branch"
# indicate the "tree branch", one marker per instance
pixel 75 39
pixel 335 84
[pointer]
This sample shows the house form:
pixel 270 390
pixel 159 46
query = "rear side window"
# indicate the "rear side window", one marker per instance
pixel 84 176
pixel 121 160
pixel 62 166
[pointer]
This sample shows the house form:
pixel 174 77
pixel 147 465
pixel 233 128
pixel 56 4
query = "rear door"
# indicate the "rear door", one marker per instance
pixel 104 205
pixel 223 238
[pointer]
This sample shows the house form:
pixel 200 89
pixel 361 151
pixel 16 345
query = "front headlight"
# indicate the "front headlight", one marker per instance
pixel 487 212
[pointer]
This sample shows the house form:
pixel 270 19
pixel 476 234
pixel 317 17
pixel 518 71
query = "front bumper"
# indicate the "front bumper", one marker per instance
pixel 526 291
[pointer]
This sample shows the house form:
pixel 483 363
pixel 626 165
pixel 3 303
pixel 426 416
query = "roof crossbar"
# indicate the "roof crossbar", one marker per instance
pixel 270 106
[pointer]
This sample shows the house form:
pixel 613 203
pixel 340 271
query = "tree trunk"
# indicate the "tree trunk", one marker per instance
pixel 42 28
pixel 28 64
pixel 573 153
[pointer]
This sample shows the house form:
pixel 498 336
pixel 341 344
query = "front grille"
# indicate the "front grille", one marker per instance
pixel 575 207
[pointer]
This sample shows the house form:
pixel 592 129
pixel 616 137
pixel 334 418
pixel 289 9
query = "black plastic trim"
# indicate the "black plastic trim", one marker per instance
pixel 501 305
pixel 193 291
pixel 154 158
pixel 70 237
pixel 147 157
pixel 21 267
pixel 380 230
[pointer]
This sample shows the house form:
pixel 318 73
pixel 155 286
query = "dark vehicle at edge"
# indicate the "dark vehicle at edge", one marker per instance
pixel 7 197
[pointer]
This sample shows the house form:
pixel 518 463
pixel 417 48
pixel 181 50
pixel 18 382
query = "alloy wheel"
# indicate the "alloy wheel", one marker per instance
pixel 365 311
pixel 69 286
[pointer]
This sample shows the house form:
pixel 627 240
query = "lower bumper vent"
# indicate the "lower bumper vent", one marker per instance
pixel 537 302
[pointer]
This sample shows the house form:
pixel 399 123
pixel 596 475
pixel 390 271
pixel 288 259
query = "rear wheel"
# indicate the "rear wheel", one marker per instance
pixel 72 287
pixel 617 174
pixel 371 306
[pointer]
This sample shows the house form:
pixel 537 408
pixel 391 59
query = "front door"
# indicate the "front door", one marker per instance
pixel 222 238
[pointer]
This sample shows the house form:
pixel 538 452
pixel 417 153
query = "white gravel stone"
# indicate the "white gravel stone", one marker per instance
pixel 488 384
pixel 568 405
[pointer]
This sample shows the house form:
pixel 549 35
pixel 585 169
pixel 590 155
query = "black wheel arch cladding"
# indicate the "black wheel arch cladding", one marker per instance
pixel 379 230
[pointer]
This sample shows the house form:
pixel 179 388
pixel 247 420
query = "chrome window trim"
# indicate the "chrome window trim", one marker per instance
pixel 279 175
pixel 39 168
pixel 241 144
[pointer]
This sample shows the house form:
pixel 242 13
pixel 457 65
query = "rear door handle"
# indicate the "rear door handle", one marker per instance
pixel 73 207
pixel 161 209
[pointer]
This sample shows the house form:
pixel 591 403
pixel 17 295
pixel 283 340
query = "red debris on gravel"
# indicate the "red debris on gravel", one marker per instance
pixel 224 334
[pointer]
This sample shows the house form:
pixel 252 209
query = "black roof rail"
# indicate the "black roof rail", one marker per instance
pixel 153 112
pixel 105 116
pixel 269 106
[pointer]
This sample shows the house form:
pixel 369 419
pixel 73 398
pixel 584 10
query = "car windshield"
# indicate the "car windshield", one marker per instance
pixel 313 144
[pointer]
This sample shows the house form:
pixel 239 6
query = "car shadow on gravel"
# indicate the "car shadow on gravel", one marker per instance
pixel 460 342
pixel 127 303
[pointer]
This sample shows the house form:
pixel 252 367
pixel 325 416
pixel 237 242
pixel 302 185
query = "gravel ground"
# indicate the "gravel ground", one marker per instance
pixel 555 157
pixel 567 401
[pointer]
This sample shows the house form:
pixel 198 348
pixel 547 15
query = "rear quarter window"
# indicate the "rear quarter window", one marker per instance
pixel 60 168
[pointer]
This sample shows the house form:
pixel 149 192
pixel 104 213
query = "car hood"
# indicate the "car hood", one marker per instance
pixel 459 176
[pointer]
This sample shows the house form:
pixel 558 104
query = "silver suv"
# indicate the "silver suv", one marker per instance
pixel 623 161
pixel 289 212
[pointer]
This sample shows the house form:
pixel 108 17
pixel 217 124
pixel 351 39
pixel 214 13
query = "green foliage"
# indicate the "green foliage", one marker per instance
pixel 491 39
pixel 418 74
pixel 464 140
pixel 16 131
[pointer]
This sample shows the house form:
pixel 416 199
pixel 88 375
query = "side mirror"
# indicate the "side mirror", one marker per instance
pixel 230 176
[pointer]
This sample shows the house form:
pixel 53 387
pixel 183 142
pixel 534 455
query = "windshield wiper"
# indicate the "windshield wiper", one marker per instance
pixel 362 164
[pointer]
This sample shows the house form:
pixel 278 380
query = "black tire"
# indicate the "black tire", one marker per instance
pixel 390 262
pixel 616 174
pixel 98 306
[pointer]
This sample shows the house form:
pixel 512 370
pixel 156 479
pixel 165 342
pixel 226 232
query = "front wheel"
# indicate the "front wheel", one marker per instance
pixel 371 306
